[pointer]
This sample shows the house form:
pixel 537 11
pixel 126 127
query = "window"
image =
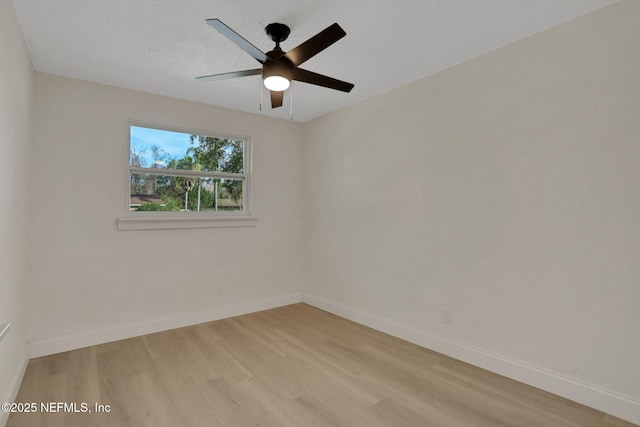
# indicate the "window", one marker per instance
pixel 176 174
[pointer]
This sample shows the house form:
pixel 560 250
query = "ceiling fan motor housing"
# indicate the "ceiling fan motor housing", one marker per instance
pixel 277 65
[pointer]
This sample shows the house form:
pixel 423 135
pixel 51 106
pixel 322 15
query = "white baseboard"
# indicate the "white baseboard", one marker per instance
pixel 587 394
pixel 72 341
pixel 14 388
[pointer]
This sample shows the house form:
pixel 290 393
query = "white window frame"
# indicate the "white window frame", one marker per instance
pixel 157 220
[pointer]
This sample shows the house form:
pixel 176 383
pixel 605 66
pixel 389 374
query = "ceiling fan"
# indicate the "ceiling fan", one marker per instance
pixel 279 67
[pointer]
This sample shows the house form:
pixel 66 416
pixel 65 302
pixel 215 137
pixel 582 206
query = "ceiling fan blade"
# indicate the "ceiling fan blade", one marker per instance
pixel 236 38
pixel 230 75
pixel 315 44
pixel 276 98
pixel 318 79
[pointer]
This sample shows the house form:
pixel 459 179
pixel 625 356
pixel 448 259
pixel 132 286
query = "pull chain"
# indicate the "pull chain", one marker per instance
pixel 291 102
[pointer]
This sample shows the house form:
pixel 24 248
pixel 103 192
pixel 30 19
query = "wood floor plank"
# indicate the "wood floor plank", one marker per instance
pixel 291 366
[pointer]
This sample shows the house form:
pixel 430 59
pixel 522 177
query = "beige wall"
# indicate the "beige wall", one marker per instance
pixel 505 188
pixel 15 110
pixel 88 276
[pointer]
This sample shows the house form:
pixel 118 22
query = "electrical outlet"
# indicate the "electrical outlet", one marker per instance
pixel 219 291
pixel 446 315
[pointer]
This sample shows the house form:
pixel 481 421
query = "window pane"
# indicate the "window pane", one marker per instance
pixel 225 194
pixel 156 148
pixel 172 193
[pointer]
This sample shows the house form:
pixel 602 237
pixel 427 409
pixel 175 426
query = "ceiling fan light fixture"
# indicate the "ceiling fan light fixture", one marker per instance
pixel 276 83
pixel 280 68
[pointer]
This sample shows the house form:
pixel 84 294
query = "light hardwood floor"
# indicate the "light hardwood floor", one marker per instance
pixel 292 366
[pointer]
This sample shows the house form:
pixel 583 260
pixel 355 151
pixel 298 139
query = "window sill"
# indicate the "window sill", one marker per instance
pixel 173 222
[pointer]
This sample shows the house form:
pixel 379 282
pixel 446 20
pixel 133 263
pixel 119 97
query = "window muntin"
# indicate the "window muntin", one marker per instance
pixel 180 171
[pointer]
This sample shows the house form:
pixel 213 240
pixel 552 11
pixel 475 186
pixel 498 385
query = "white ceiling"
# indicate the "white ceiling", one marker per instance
pixel 161 46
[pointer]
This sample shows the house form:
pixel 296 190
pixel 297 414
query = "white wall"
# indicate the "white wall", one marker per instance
pixel 88 277
pixel 15 110
pixel 505 188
